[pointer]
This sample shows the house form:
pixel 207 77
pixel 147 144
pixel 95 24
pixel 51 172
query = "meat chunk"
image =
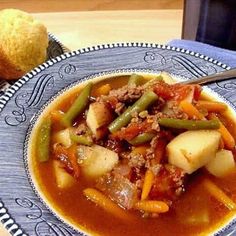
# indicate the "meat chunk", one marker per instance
pixel 127 94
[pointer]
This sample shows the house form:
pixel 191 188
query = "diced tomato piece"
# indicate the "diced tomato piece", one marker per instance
pixel 160 150
pixel 164 90
pixel 112 101
pixel 176 92
pixel 181 92
pixel 132 130
pixel 168 184
pixel 197 91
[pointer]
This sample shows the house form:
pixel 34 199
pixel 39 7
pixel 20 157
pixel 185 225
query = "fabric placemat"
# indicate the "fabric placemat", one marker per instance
pixel 225 56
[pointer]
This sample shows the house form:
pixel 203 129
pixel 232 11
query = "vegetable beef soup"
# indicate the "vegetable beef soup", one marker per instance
pixel 136 155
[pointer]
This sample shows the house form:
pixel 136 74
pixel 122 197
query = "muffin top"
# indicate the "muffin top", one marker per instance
pixel 23 40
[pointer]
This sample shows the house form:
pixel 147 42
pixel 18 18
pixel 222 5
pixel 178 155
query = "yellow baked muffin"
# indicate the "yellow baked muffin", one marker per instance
pixel 23 43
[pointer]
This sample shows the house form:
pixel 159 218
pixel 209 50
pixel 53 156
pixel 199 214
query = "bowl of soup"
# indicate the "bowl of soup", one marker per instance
pixel 136 154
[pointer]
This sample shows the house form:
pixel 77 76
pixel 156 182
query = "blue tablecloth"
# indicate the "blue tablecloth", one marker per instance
pixel 225 56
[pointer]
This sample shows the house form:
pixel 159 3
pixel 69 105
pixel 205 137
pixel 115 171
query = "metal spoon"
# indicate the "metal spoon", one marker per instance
pixel 212 78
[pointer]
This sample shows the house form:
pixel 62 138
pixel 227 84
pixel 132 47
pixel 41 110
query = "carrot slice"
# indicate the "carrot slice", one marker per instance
pixel 190 110
pixel 152 206
pixel 147 184
pixel 212 106
pixel 218 194
pixel 103 90
pixel 141 149
pixel 228 139
pixel 105 203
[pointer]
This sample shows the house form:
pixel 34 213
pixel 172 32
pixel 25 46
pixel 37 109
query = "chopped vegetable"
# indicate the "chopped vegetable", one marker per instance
pixel 190 97
pixel 140 105
pixel 103 90
pixel 227 137
pixel 189 124
pixel 218 194
pixel 168 182
pixel 132 130
pixel 78 106
pixel 152 206
pixel 98 115
pixel 63 137
pixel 119 189
pixel 142 149
pixel 147 184
pixel 142 138
pixel 96 160
pixel 212 106
pixel 105 203
pixel 160 150
pixel 135 80
pixel 222 164
pixel 193 149
pixel 190 110
pixel 80 139
pixel 174 92
pixel 63 179
pixel 43 140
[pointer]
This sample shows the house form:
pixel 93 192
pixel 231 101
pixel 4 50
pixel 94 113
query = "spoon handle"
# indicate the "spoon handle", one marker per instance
pixel 212 78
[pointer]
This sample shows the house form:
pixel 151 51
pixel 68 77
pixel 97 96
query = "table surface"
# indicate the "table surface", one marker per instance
pixel 78 29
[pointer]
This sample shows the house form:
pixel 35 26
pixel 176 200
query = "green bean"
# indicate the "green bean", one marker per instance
pixel 80 139
pixel 142 138
pixel 189 124
pixel 43 140
pixel 135 79
pixel 78 106
pixel 140 105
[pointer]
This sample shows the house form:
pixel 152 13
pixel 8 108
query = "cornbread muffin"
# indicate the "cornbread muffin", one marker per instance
pixel 23 43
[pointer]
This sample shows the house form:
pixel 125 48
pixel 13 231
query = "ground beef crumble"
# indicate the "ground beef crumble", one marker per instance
pixel 136 160
pixel 127 94
pixel 174 111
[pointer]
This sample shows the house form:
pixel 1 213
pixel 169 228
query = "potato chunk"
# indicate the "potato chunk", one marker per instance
pixel 63 179
pixel 96 160
pixel 98 115
pixel 222 164
pixel 63 137
pixel 193 149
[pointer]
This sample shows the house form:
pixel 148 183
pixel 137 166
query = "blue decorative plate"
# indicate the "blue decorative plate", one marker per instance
pixel 22 212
